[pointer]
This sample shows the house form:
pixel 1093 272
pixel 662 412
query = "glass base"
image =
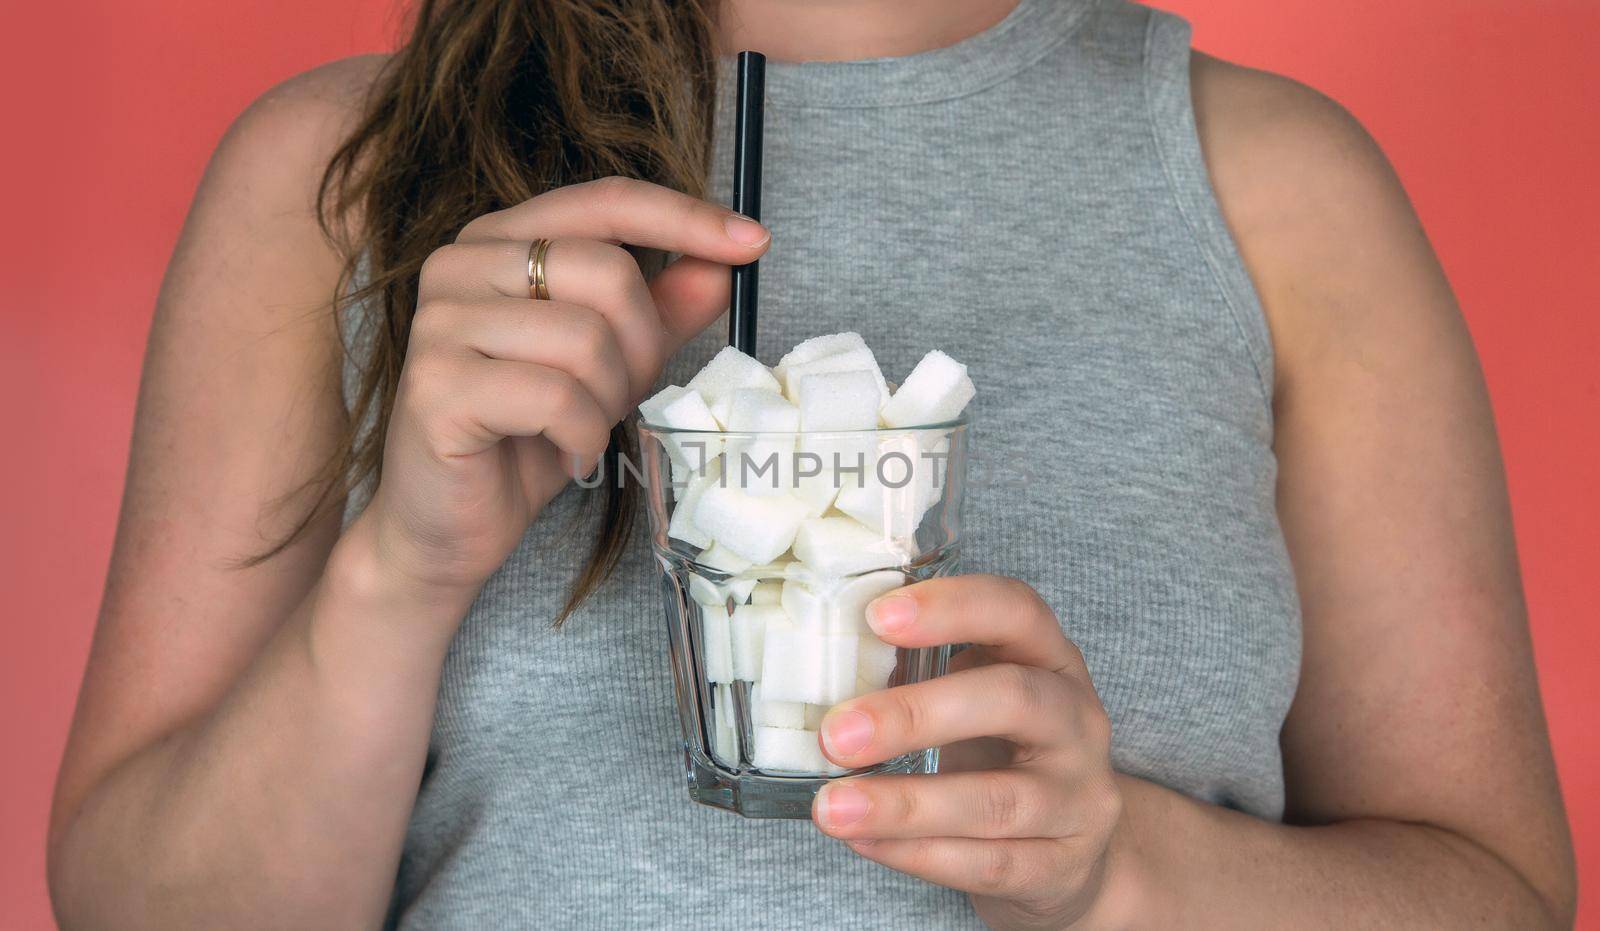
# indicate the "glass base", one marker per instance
pixel 757 796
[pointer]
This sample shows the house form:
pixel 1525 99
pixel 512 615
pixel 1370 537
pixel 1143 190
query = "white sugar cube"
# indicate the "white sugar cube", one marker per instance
pixel 682 409
pixel 816 347
pixel 728 371
pixel 813 483
pixel 838 401
pixel 801 665
pixel 875 661
pixel 791 663
pixel 814 716
pixel 839 667
pixel 739 590
pixel 678 408
pixel 767 593
pixel 722 698
pixel 806 608
pixel 719 557
pixel 706 592
pixel 761 465
pixel 850 599
pixel 767 713
pixel 725 745
pixel 858 359
pixel 716 645
pixel 722 408
pixel 749 630
pixel 781 750
pixel 756 528
pixel 839 546
pixel 937 390
pixel 750 410
pixel 681 525
pixel 898 488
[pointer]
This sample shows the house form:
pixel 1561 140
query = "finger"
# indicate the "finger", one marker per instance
pixel 570 337
pixel 1004 615
pixel 690 294
pixel 1014 802
pixel 628 211
pixel 479 269
pixel 1023 704
pixel 468 406
pixel 982 753
pixel 605 277
pixel 1006 869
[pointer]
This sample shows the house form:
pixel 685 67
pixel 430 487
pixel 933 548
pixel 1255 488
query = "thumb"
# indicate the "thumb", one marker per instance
pixel 690 295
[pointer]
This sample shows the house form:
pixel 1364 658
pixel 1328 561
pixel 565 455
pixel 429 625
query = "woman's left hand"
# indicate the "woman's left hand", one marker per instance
pixel 1022 812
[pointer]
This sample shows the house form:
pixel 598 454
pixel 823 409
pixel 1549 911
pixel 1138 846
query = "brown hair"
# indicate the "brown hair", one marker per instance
pixel 489 103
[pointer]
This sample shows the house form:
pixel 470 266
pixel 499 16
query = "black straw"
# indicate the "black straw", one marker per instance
pixel 747 193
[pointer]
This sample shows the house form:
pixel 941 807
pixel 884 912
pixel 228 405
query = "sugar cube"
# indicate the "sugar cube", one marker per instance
pixel 730 370
pixel 806 607
pixel 755 528
pixel 767 593
pixel 719 557
pixel 839 546
pixel 682 409
pixel 875 661
pixel 739 589
pixel 761 465
pixel 830 401
pixel 722 698
pixel 749 630
pixel 850 599
pixel 896 490
pixel 814 716
pixel 767 713
pixel 678 408
pixel 706 592
pixel 936 391
pixel 782 750
pixel 716 645
pixel 816 347
pixel 802 665
pixel 681 525
pixel 851 360
pixel 725 745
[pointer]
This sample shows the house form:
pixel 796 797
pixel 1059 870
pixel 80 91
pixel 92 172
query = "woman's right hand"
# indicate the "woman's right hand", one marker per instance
pixel 503 399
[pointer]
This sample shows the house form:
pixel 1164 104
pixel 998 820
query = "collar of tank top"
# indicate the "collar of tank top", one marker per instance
pixel 1026 34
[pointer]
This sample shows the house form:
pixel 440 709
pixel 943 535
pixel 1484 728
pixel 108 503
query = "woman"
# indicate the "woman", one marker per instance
pixel 1248 623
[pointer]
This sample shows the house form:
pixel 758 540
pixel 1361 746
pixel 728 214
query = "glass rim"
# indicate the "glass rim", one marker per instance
pixel 945 426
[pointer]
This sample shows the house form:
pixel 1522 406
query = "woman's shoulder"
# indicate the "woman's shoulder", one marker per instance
pixel 1317 211
pixel 312 105
pixel 277 149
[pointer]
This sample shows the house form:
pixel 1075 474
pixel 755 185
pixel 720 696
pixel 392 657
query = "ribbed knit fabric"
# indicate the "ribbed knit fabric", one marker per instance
pixel 1034 202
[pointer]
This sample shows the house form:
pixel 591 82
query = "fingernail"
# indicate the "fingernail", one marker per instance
pixel 842 805
pixel 891 614
pixel 846 733
pixel 745 232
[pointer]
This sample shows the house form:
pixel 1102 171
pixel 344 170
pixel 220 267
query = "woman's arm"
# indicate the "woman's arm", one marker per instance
pixel 213 732
pixel 1421 791
pixel 250 741
pixel 1416 755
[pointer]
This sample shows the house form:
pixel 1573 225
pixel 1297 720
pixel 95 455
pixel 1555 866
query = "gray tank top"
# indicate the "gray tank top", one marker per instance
pixel 1033 201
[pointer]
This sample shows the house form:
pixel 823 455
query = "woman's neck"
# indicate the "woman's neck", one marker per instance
pixel 846 30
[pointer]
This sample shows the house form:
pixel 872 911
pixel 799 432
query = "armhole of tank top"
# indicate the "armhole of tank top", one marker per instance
pixel 1169 107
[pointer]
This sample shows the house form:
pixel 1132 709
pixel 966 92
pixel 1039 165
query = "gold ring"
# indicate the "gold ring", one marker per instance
pixel 538 289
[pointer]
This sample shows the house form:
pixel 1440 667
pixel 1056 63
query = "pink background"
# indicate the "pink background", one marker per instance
pixel 1490 110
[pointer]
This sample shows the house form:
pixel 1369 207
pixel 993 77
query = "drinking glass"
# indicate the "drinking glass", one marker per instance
pixel 770 547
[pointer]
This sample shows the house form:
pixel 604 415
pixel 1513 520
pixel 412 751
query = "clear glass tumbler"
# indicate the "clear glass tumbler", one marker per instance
pixel 771 545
